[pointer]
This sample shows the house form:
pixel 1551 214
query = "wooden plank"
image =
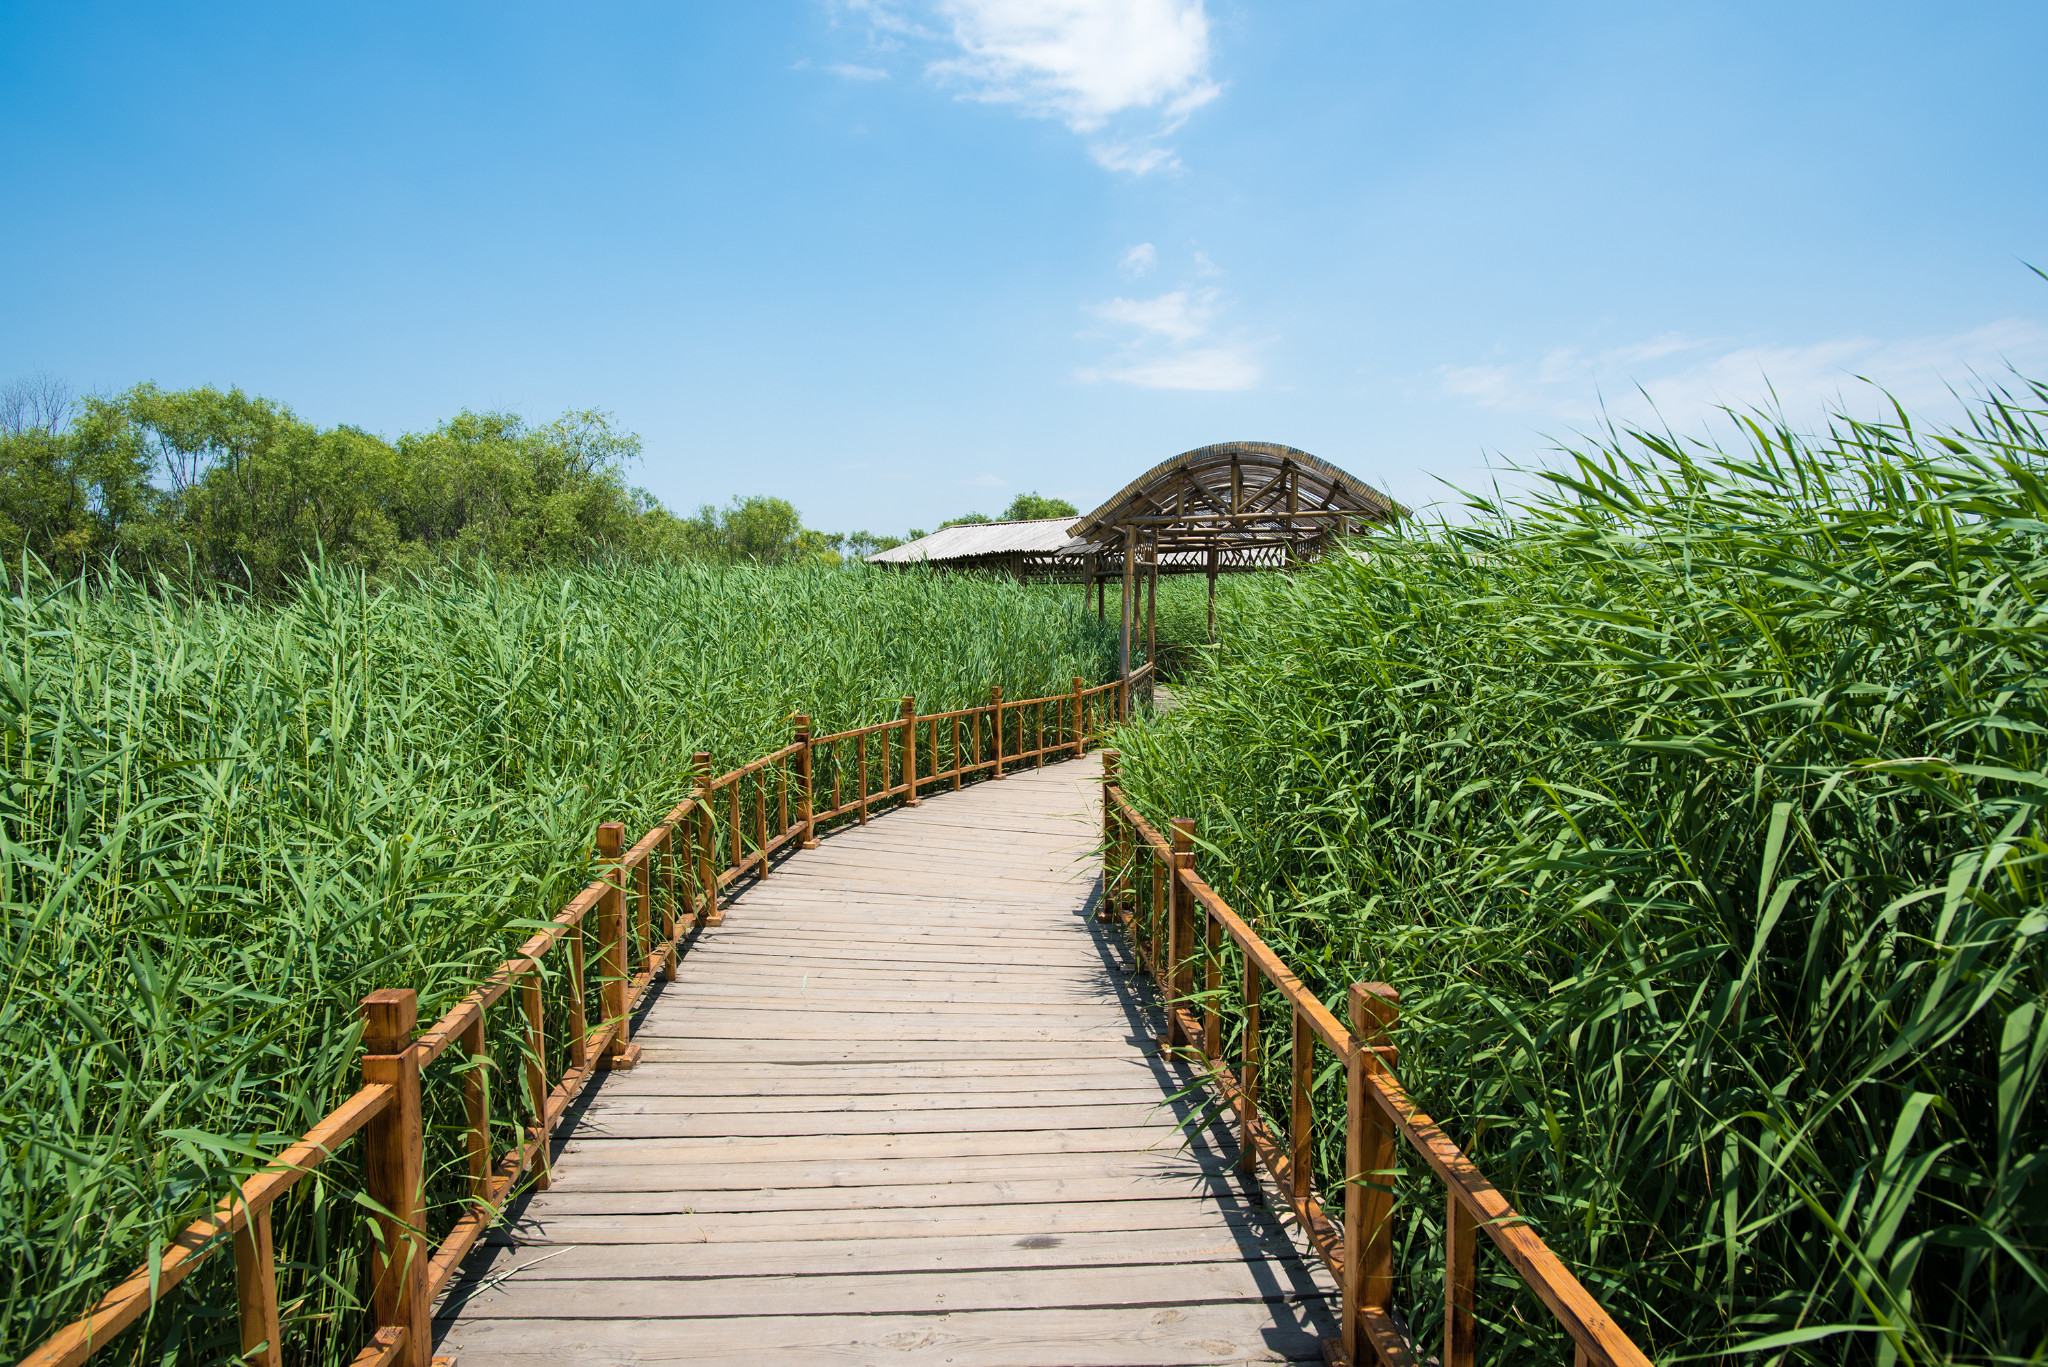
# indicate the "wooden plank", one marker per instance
pixel 904 1107
pixel 895 1293
pixel 914 1116
pixel 875 953
pixel 866 1051
pixel 830 1019
pixel 794 991
pixel 589 1171
pixel 706 1023
pixel 1182 1221
pixel 1022 1190
pixel 552 1260
pixel 959 1078
pixel 1141 1144
pixel 1118 1337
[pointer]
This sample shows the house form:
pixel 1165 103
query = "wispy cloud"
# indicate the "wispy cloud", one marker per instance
pixel 1683 378
pixel 1165 342
pixel 1125 74
pixel 853 72
pixel 1177 316
pixel 1222 369
pixel 988 481
pixel 1139 260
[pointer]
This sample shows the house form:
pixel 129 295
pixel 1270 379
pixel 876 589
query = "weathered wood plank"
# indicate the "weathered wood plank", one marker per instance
pixel 962 1078
pixel 647 1198
pixel 552 1260
pixel 1183 1221
pixel 616 1123
pixel 682 1179
pixel 536 1297
pixel 1214 1336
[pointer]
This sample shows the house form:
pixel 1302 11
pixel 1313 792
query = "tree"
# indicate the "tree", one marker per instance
pixel 1033 506
pixel 758 530
pixel 34 403
pixel 861 545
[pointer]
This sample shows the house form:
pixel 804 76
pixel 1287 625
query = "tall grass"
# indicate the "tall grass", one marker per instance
pixel 1695 808
pixel 223 824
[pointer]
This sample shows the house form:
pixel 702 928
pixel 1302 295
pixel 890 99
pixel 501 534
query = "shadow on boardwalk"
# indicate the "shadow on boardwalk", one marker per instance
pixel 903 1105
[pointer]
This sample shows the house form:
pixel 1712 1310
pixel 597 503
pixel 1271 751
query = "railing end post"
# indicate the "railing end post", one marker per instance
pixel 1375 1011
pixel 802 722
pixel 910 797
pixel 390 1016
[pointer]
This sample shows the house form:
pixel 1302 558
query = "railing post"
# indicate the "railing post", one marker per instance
pixel 1106 909
pixel 643 916
pixel 392 1172
pixel 256 1290
pixel 669 927
pixel 534 1010
pixel 1460 1243
pixel 706 852
pixel 1250 1049
pixel 1368 1162
pixel 476 1106
pixel 995 696
pixel 910 798
pixel 806 803
pixel 614 981
pixel 1080 721
pixel 958 762
pixel 1178 979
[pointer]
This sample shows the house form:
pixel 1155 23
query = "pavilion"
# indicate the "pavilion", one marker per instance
pixel 1237 507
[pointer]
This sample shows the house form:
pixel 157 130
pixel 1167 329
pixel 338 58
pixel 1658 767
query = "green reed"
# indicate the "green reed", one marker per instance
pixel 225 823
pixel 1694 807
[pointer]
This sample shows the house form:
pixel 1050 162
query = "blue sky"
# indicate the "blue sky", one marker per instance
pixel 897 260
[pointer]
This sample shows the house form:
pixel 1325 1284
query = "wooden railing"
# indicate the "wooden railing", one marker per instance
pixel 727 828
pixel 1177 924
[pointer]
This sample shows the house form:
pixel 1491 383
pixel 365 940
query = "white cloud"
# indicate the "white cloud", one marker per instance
pixel 1166 344
pixel 1177 316
pixel 1218 368
pixel 1683 379
pixel 988 481
pixel 1138 260
pixel 853 72
pixel 1123 73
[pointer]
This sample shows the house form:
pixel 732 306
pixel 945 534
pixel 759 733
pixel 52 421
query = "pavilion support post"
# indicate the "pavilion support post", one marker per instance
pixel 1212 595
pixel 1125 622
pixel 1151 621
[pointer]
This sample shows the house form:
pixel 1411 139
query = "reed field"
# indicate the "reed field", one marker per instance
pixel 1694 807
pixel 226 822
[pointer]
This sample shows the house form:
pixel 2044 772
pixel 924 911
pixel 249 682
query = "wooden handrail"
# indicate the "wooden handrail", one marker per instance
pixel 681 855
pixel 1377 1108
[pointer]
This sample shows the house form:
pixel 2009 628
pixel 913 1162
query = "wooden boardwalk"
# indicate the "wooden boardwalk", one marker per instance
pixel 902 1107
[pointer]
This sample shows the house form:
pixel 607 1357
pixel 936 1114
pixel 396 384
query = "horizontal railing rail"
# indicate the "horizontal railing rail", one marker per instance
pixel 1178 925
pixel 729 826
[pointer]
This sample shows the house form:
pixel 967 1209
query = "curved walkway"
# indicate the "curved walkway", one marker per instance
pixel 902 1107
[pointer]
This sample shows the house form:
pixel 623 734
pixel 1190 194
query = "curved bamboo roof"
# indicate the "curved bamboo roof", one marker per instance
pixel 1250 501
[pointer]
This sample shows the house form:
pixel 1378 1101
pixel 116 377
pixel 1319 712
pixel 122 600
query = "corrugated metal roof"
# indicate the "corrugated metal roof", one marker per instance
pixel 972 540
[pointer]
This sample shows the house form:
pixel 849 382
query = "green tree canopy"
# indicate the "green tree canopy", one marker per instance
pixel 240 489
pixel 1033 506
